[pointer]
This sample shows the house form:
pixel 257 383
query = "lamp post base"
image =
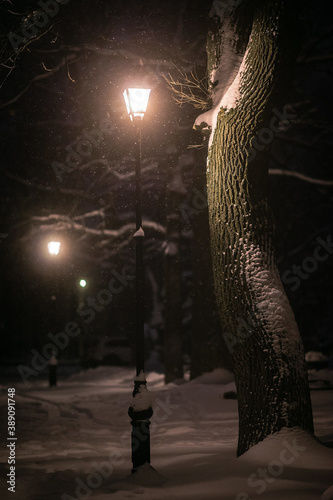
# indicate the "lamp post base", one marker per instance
pixel 140 412
pixel 140 436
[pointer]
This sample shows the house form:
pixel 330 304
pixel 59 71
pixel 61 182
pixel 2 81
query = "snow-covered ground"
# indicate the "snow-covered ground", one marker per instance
pixel 73 441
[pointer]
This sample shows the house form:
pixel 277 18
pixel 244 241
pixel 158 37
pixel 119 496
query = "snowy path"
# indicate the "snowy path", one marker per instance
pixel 74 442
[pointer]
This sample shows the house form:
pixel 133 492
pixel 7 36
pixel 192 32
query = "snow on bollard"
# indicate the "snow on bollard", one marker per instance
pixel 142 399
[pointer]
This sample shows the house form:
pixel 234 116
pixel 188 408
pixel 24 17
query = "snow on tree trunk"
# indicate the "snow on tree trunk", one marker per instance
pixel 258 323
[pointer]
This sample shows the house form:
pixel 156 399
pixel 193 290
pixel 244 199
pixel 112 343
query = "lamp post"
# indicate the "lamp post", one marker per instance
pixel 53 247
pixel 82 282
pixel 140 411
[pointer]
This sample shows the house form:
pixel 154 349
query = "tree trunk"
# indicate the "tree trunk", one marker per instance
pixel 173 358
pixel 258 323
pixel 208 348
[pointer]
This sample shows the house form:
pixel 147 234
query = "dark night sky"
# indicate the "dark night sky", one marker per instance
pixel 105 44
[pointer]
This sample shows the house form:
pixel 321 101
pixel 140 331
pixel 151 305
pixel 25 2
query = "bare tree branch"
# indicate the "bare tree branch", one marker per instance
pixel 305 242
pixel 317 58
pixel 37 78
pixel 189 88
pixel 104 51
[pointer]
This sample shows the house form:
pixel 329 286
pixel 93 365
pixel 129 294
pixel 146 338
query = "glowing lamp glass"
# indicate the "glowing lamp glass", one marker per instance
pixel 136 101
pixel 83 283
pixel 54 247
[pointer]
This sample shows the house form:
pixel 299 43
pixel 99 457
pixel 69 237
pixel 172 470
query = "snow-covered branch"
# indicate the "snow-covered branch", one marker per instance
pixel 61 223
pixel 291 173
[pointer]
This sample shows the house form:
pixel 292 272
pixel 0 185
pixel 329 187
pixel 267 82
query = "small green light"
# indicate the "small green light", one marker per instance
pixel 83 283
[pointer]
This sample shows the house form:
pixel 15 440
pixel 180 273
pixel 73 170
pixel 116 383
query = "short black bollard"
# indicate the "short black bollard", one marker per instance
pixel 53 366
pixel 140 436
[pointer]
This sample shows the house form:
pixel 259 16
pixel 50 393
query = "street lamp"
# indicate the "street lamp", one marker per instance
pixel 140 411
pixel 83 283
pixel 136 101
pixel 54 247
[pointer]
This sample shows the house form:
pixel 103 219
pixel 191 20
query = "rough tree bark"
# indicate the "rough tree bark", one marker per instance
pixel 250 50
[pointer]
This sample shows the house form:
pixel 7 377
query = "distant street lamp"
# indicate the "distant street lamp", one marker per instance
pixel 83 283
pixel 54 247
pixel 140 411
